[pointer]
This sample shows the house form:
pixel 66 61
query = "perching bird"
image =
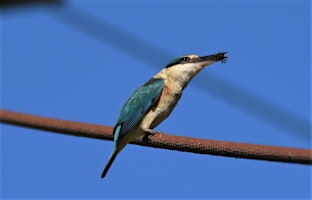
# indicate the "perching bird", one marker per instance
pixel 153 102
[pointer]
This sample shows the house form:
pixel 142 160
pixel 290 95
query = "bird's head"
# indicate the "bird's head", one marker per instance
pixel 184 68
pixel 192 60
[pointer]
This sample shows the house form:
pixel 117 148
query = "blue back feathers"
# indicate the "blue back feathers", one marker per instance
pixel 137 105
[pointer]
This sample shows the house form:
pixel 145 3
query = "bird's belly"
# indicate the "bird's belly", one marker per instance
pixel 163 109
pixel 131 136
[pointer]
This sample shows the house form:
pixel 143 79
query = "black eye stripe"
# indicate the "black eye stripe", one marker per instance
pixel 185 59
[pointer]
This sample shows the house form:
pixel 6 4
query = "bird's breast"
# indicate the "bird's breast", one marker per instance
pixel 167 101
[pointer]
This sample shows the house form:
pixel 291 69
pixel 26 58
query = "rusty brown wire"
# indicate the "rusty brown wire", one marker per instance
pixel 164 141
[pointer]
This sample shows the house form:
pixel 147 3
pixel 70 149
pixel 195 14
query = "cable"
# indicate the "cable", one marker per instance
pixel 164 141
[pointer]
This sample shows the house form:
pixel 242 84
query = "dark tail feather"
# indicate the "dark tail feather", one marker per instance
pixel 110 162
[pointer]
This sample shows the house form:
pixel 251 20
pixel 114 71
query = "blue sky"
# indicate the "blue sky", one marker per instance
pixel 80 60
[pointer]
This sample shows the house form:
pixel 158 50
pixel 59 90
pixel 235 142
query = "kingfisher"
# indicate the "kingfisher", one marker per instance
pixel 153 102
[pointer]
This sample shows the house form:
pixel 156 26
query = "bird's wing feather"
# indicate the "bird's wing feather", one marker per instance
pixel 138 104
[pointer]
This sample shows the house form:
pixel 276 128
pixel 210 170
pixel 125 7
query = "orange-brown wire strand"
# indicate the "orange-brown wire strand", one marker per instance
pixel 163 141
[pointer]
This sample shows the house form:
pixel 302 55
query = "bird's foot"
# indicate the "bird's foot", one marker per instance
pixel 148 133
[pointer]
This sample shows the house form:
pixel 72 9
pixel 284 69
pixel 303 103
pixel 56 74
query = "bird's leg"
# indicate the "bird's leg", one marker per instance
pixel 148 133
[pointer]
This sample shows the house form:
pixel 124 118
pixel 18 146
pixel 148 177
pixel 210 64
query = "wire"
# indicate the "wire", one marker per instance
pixel 163 141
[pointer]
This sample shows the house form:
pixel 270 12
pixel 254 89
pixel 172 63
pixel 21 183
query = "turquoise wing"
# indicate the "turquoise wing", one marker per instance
pixel 137 105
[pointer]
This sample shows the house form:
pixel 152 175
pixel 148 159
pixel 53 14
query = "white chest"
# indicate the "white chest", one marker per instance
pixel 162 109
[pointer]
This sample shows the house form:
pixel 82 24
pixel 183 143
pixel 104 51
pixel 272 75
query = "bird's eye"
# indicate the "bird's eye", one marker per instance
pixel 185 59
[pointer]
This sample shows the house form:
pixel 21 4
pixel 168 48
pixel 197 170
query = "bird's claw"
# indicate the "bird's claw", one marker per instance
pixel 148 133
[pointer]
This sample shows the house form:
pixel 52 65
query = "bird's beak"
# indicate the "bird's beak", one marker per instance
pixel 207 60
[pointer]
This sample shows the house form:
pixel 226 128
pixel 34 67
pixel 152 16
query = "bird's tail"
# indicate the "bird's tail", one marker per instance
pixel 110 162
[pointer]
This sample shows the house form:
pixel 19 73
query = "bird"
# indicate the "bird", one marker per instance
pixel 154 101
